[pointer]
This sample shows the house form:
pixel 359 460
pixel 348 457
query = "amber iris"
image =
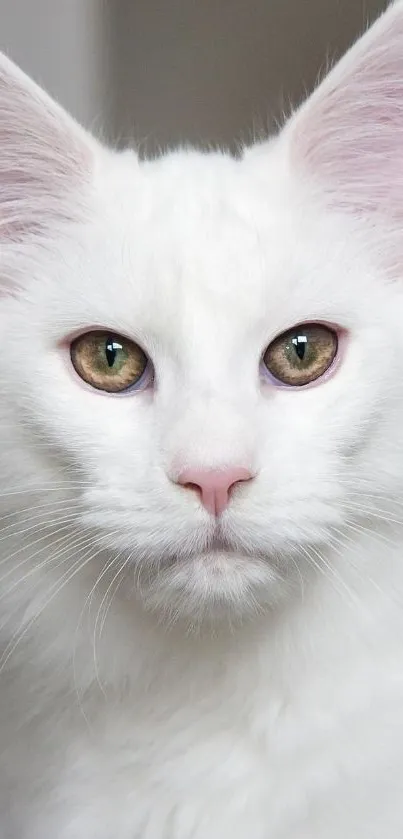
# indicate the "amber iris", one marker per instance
pixel 302 354
pixel 108 362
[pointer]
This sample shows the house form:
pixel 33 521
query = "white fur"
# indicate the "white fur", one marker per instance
pixel 149 690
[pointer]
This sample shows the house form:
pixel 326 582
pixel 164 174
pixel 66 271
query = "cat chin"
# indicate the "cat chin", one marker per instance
pixel 212 587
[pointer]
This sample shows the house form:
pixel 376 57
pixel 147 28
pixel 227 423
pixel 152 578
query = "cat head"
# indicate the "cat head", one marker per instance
pixel 201 355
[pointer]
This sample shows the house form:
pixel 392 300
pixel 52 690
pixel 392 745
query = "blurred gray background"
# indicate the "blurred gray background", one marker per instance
pixel 169 71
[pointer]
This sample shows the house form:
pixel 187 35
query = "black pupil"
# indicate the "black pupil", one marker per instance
pixel 111 348
pixel 300 345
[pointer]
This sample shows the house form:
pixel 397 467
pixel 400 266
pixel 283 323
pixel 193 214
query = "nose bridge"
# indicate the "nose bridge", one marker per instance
pixel 211 431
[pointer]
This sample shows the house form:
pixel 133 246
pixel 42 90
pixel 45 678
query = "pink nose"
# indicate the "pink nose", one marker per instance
pixel 213 485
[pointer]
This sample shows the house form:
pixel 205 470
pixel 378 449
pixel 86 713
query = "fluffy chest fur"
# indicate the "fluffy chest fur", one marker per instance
pixel 245 733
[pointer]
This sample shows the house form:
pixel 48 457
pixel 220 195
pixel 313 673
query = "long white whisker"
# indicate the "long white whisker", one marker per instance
pixel 55 590
pixel 83 539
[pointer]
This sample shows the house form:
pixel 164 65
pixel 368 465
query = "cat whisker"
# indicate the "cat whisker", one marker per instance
pixel 52 563
pixel 104 604
pixel 55 590
pixel 334 577
pixel 25 547
pixel 79 622
pixel 72 544
pixel 37 522
pixel 107 566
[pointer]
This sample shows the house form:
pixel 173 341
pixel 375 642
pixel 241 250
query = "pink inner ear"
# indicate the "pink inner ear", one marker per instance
pixel 44 157
pixel 350 133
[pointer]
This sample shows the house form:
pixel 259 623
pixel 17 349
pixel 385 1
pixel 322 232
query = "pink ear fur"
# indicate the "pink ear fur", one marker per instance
pixel 44 156
pixel 349 134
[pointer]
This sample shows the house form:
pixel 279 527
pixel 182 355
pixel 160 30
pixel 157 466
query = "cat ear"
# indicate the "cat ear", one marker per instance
pixel 349 134
pixel 44 157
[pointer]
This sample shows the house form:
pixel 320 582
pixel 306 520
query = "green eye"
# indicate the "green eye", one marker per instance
pixel 108 362
pixel 302 354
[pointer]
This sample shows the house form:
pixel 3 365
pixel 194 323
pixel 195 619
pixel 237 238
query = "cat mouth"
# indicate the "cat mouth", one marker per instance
pixel 218 545
pixel 214 545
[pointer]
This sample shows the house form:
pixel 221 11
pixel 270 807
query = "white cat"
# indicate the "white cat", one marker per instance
pixel 201 575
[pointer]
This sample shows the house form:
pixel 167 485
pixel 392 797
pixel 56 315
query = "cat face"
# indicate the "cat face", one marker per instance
pixel 219 482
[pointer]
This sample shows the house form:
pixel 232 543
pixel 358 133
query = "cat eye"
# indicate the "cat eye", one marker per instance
pixel 302 354
pixel 108 362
